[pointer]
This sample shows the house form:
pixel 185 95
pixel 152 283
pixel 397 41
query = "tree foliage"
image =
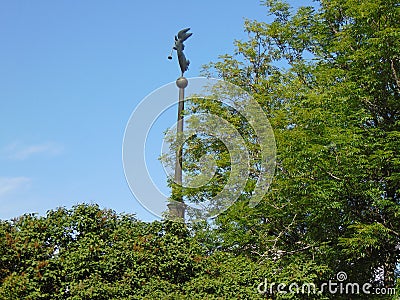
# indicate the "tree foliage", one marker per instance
pixel 92 253
pixel 327 77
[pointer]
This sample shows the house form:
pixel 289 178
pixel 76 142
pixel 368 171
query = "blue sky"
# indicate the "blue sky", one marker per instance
pixel 72 72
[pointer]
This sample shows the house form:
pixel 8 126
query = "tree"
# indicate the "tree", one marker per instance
pixel 92 253
pixel 327 77
pixel 89 253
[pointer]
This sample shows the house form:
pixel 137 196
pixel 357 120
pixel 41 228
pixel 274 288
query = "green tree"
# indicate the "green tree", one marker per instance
pixel 89 253
pixel 92 253
pixel 327 77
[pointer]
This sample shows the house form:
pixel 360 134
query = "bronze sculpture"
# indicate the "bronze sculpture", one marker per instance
pixel 182 36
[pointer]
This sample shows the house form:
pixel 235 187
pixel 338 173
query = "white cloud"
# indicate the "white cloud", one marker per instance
pixel 20 152
pixel 10 184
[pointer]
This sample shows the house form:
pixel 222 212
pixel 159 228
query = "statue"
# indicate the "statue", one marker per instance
pixel 182 36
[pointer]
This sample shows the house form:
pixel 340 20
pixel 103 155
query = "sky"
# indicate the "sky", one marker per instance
pixel 72 73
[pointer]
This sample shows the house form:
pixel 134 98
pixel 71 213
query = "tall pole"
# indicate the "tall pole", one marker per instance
pixel 182 83
pixel 177 209
pixel 177 206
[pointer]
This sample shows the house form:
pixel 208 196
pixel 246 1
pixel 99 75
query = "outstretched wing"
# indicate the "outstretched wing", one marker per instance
pixel 183 35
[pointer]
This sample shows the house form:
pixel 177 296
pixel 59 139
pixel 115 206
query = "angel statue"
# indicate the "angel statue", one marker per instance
pixel 182 36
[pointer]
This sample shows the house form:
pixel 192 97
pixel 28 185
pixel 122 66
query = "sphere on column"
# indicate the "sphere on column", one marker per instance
pixel 181 82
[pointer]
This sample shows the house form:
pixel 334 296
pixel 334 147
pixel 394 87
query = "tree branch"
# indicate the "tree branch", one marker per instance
pixel 395 75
